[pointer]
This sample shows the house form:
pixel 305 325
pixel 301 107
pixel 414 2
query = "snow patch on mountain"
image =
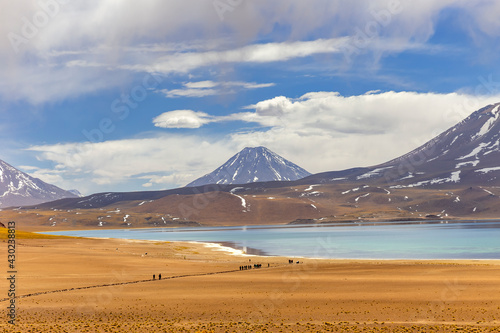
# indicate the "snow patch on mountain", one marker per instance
pixel 475 151
pixel 472 163
pixel 488 124
pixel 455 139
pixel 373 173
pixel 311 187
pixel 453 178
pixel 362 196
pixel 487 170
pixel 243 201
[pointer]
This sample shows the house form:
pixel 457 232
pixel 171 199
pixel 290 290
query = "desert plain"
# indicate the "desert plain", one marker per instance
pixel 106 285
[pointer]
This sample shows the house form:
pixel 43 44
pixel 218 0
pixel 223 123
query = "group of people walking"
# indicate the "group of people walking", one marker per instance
pixel 159 276
pixel 242 268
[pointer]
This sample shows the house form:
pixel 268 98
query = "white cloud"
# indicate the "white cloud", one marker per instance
pixel 182 119
pixel 257 53
pixel 327 131
pixel 177 178
pixel 94 167
pixel 51 176
pixel 28 168
pixel 201 84
pixel 210 88
pixel 272 107
pixel 189 92
pixel 72 52
pixel 254 85
pixel 320 131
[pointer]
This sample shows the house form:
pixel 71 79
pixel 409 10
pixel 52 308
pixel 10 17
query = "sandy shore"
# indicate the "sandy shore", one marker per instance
pixel 315 295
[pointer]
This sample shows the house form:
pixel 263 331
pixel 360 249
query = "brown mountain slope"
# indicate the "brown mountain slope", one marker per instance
pixel 305 204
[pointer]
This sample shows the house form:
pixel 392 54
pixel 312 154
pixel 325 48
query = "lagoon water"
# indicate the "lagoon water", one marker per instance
pixel 438 240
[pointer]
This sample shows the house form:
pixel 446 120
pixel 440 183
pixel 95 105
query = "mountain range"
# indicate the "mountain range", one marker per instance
pixel 20 189
pixel 454 175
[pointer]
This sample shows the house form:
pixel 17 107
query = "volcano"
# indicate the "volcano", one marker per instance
pixel 257 164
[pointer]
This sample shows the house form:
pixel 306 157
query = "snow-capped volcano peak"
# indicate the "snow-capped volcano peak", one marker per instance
pixel 257 164
pixel 19 189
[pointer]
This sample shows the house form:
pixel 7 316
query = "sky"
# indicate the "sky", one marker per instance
pixel 107 95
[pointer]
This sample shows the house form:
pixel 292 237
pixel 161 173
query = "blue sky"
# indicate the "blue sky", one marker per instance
pixel 125 95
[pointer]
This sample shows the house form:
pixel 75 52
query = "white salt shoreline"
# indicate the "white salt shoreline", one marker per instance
pixel 219 247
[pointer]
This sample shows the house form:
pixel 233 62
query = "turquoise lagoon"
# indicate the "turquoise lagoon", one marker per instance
pixel 388 240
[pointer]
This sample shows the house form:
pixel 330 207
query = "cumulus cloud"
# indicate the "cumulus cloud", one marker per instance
pixel 272 107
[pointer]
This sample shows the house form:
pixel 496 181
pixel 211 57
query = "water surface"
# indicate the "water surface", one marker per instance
pixel 438 240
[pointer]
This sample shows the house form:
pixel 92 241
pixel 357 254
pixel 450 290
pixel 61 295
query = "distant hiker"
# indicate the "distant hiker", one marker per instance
pixel 154 277
pixel 267 264
pixel 159 276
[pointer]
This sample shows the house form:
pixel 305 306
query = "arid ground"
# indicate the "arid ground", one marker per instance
pixel 90 285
